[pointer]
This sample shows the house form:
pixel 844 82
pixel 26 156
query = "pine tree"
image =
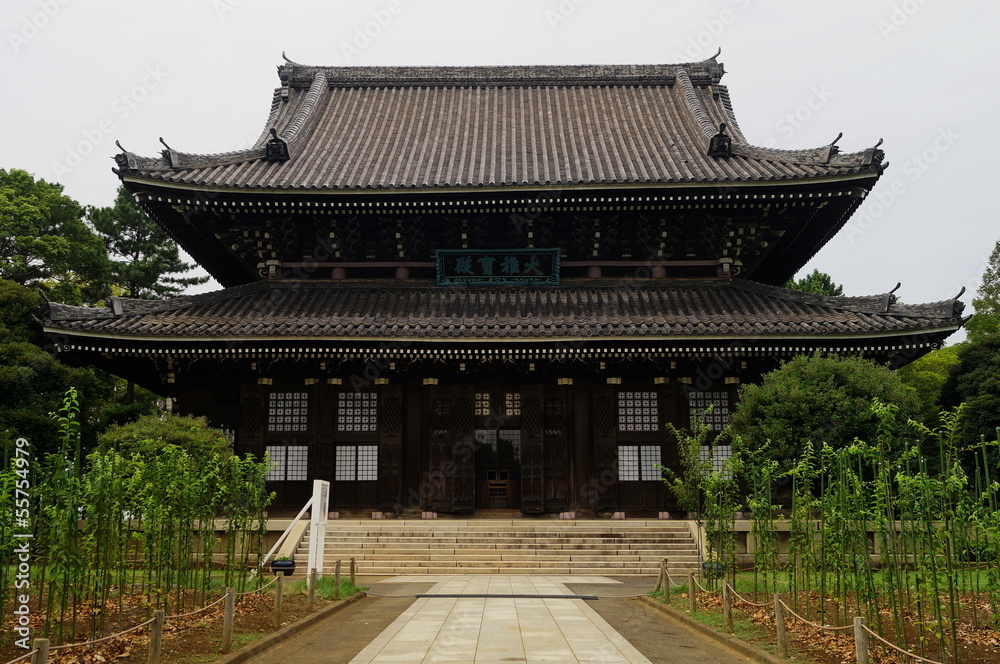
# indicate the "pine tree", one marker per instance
pixel 142 254
pixel 818 283
pixel 985 324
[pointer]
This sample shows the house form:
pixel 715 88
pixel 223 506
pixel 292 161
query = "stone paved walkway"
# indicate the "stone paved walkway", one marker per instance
pixel 493 629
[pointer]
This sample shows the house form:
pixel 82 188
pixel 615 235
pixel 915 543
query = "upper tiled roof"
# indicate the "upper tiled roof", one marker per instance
pixel 433 127
pixel 592 309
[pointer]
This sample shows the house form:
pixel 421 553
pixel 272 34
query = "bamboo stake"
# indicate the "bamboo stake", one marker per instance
pixel 692 600
pixel 279 599
pixel 312 589
pixel 336 581
pixel 727 605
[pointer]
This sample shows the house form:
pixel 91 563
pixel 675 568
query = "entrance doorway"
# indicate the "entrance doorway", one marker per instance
pixel 498 448
pixel 498 468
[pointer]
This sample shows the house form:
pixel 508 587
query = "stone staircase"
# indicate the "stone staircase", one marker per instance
pixel 507 546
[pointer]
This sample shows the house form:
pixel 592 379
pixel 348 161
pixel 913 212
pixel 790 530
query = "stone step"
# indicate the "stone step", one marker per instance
pixel 508 546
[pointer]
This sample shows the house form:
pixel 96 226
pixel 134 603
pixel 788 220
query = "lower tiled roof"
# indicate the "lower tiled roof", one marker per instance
pixel 626 310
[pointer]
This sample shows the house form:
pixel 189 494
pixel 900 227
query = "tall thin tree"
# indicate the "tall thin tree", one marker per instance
pixel 144 259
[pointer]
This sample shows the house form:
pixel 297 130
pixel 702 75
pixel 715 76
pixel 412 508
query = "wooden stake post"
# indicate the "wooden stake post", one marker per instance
pixel 779 625
pixel 155 637
pixel 227 621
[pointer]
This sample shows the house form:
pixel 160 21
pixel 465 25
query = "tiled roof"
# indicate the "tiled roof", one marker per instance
pixel 628 311
pixel 433 127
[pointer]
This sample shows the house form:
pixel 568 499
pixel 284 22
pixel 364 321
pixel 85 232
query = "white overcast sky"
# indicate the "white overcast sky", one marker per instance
pixel 920 74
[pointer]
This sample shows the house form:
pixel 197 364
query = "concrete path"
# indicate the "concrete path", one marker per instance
pixel 491 629
pixel 464 627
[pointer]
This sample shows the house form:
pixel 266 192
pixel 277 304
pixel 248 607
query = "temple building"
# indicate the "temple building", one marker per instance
pixel 490 289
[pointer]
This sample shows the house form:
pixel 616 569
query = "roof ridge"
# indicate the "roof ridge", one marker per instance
pixel 708 71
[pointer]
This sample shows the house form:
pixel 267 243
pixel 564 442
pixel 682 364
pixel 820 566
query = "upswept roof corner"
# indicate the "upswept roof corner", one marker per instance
pixel 343 128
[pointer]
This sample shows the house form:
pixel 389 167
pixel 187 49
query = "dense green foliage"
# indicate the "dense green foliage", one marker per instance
pixel 819 400
pixel 123 526
pixel 33 381
pixel 985 323
pixel 150 435
pixel 927 376
pixel 816 282
pixel 45 242
pixel 143 257
pixel 875 528
pixel 975 381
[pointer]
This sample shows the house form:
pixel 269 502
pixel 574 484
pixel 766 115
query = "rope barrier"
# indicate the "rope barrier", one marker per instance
pixel 811 623
pixel 22 657
pixel 698 583
pixel 191 613
pixel 898 649
pixel 263 587
pixel 745 600
pixel 103 638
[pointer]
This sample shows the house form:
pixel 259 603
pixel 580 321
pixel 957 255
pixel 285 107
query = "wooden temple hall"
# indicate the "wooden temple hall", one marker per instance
pixel 475 290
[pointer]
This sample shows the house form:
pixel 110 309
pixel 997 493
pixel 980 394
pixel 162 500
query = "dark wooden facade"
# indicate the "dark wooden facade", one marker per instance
pixel 336 348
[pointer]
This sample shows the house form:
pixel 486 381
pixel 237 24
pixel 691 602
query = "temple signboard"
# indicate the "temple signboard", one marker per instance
pixel 466 267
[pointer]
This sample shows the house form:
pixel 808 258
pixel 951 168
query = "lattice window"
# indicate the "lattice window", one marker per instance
pixel 441 423
pixel 638 462
pixel 717 455
pixel 554 417
pixel 482 404
pixel 357 411
pixel 628 463
pixel 649 459
pixel 287 411
pixel 512 404
pixel 289 463
pixel 709 408
pixel 638 411
pixel 356 463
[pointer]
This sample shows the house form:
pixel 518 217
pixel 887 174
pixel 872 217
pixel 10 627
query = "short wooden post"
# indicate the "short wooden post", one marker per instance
pixel 336 581
pixel 312 589
pixel 227 621
pixel 279 599
pixel 41 648
pixel 779 625
pixel 155 637
pixel 860 640
pixel 354 570
pixel 666 580
pixel 659 579
pixel 692 600
pixel 727 605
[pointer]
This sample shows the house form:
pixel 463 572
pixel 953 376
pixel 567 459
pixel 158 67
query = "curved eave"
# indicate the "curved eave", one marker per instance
pixel 738 340
pixel 537 187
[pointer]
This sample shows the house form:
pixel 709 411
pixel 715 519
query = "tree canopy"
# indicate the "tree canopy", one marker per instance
pixel 818 399
pixel 142 255
pixel 985 323
pixel 927 376
pixel 45 242
pixel 816 282
pixel 975 381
